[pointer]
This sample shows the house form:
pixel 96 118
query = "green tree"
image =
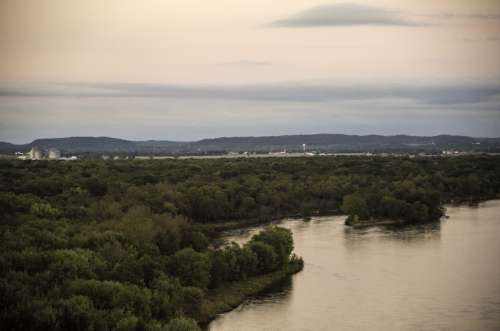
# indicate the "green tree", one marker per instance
pixel 182 324
pixel 266 256
pixel 192 268
pixel 44 210
pixel 280 239
pixel 192 299
pixel 355 205
pixel 77 313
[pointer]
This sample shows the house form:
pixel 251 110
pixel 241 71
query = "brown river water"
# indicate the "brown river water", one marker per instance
pixel 441 276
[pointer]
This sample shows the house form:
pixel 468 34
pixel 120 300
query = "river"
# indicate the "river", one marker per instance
pixel 441 276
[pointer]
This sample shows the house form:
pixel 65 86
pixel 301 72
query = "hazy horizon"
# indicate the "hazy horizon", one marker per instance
pixel 247 136
pixel 187 70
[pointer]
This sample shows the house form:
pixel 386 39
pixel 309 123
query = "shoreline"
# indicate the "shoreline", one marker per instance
pixel 220 301
pixel 389 222
pixel 365 224
pixel 223 300
pixel 249 223
pixel 396 252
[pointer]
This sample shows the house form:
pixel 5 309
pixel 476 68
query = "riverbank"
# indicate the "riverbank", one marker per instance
pixel 233 294
pixel 252 222
pixel 343 283
pixel 368 223
pixel 396 222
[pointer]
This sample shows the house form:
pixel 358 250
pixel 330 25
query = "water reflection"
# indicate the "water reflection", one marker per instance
pixel 437 276
pixel 280 293
pixel 413 233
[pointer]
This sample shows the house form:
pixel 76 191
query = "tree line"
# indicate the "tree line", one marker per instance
pixel 208 191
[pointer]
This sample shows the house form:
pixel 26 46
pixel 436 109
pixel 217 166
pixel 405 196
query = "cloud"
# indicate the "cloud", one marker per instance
pixel 352 14
pixel 431 94
pixel 347 14
pixel 479 16
pixel 25 119
pixel 173 112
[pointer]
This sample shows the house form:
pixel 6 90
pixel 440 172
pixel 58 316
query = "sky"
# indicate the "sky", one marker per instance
pixel 186 70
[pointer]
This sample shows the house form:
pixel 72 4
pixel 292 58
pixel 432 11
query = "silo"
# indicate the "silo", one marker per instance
pixel 36 153
pixel 54 154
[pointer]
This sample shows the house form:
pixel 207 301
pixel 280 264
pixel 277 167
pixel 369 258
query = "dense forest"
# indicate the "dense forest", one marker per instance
pixel 135 245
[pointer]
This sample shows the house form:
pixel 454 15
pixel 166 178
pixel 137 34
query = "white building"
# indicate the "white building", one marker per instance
pixel 36 153
pixel 54 154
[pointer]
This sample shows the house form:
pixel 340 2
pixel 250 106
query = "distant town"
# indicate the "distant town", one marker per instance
pixel 106 148
pixel 37 153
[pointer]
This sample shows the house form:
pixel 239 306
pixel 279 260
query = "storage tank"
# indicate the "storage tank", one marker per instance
pixel 36 153
pixel 54 154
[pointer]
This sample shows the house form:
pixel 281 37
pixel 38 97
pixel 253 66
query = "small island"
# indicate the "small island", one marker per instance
pixel 413 206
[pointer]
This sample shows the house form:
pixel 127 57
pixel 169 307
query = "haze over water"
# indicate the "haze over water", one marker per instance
pixel 443 276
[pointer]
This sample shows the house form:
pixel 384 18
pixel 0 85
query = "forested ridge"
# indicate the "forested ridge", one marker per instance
pixel 221 145
pixel 131 245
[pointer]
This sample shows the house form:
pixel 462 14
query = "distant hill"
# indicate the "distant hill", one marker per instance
pixel 318 142
pixel 86 144
pixel 8 148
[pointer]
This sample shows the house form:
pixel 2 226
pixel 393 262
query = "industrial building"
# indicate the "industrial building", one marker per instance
pixel 54 154
pixel 36 153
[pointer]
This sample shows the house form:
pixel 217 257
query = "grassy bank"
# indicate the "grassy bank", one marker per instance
pixel 228 297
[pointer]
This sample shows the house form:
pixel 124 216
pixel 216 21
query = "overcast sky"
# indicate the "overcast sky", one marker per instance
pixel 185 69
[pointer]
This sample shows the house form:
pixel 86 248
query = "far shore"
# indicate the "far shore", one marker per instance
pixel 249 223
